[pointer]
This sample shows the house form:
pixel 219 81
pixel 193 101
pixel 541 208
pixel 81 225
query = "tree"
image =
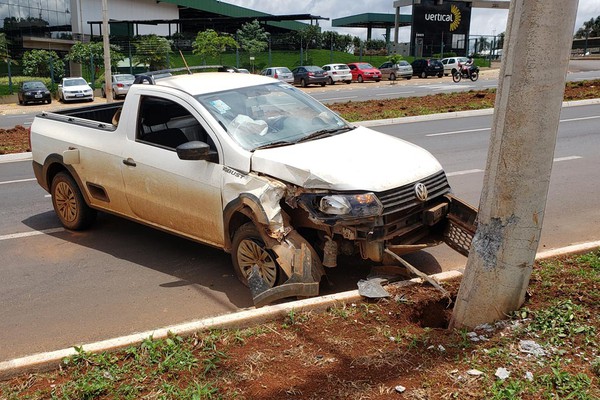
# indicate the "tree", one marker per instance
pixel 38 63
pixel 153 51
pixel 311 34
pixel 83 53
pixel 210 44
pixel 394 58
pixel 253 38
pixel 482 44
pixel 590 28
pixel 3 47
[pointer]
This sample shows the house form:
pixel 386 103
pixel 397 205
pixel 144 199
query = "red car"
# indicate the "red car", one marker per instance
pixel 362 71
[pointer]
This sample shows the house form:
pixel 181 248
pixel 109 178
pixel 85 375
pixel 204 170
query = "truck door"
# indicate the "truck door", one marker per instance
pixel 181 196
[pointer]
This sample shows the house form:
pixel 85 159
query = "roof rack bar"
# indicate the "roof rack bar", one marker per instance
pixel 150 76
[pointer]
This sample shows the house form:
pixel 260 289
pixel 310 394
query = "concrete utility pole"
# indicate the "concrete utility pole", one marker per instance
pixel 524 130
pixel 105 41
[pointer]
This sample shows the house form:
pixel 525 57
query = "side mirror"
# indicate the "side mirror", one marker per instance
pixel 194 150
pixel 59 85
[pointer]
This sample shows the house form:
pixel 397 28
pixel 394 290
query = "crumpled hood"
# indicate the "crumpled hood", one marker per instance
pixel 361 159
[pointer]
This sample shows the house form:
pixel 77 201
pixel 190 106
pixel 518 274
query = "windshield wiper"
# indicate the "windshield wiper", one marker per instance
pixel 274 144
pixel 325 133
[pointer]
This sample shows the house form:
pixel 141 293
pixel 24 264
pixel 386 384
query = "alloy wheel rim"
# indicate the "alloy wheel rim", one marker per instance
pixel 250 253
pixel 66 203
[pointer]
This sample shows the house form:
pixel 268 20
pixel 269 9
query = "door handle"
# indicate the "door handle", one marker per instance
pixel 130 162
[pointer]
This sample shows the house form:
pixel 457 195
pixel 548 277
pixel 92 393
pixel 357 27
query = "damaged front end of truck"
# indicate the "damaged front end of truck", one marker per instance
pixel 309 228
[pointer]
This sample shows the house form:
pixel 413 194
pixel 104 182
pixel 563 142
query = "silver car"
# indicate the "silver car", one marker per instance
pixel 282 73
pixel 393 71
pixel 120 85
pixel 338 73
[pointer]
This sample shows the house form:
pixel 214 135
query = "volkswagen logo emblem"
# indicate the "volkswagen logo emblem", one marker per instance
pixel 421 191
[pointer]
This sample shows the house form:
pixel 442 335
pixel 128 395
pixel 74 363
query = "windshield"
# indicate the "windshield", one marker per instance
pixel 124 78
pixel 33 85
pixel 364 66
pixel 75 82
pixel 270 115
pixel 341 66
pixel 283 70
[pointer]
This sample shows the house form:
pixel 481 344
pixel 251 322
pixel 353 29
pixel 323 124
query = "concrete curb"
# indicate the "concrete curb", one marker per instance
pixel 6 158
pixel 457 114
pixel 49 360
pixel 249 317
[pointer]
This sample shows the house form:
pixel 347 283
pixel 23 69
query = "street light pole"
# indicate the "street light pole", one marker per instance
pixel 107 73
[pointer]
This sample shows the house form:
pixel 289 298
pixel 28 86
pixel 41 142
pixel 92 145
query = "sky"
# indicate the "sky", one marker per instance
pixel 483 21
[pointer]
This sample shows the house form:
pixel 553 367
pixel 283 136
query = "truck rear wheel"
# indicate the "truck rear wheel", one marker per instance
pixel 68 203
pixel 247 250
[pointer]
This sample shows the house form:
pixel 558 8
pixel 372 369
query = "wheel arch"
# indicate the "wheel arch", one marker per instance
pixel 52 166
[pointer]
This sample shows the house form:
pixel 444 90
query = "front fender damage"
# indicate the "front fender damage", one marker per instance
pixel 259 198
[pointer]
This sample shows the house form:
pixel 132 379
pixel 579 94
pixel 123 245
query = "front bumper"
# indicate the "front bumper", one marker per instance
pixel 78 96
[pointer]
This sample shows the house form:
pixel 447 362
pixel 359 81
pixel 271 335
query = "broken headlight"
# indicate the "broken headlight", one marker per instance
pixel 343 206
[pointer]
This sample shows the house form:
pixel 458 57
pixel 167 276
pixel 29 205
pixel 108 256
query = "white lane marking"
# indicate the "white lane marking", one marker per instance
pixel 476 171
pixel 17 181
pixel 394 93
pixel 569 158
pixel 465 172
pixel 580 118
pixel 32 233
pixel 486 129
pixel 454 132
pixel 340 98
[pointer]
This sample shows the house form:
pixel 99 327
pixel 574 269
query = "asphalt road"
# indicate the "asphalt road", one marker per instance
pixel 62 288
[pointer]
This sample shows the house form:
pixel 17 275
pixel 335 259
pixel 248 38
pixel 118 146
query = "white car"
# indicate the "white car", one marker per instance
pixel 75 89
pixel 451 64
pixel 282 73
pixel 338 73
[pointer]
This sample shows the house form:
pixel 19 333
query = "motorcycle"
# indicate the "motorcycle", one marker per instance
pixel 466 71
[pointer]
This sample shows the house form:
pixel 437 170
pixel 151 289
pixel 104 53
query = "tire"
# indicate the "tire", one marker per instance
pixel 322 84
pixel 61 98
pixel 474 76
pixel 348 82
pixel 303 82
pixel 408 78
pixel 456 77
pixel 441 74
pixel 248 249
pixel 360 79
pixel 103 93
pixel 68 203
pixel 331 82
pixel 392 77
pixel 423 75
pixel 377 80
pixel 20 102
pixel 49 101
pixel 114 95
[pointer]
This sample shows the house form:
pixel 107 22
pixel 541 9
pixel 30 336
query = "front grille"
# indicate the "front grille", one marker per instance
pixel 404 197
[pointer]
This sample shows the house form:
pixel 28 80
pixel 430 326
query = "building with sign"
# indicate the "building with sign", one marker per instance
pixel 441 26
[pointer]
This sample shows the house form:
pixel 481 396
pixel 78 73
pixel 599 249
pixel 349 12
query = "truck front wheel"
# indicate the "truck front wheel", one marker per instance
pixel 247 250
pixel 68 203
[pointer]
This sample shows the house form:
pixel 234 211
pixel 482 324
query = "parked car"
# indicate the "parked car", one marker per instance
pixel 338 73
pixel 392 71
pixel 451 64
pixel 427 67
pixel 34 91
pixel 364 72
pixel 243 71
pixel 75 89
pixel 282 73
pixel 120 85
pixel 309 74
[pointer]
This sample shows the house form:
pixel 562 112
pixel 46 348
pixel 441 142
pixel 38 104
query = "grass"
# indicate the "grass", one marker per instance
pixel 288 355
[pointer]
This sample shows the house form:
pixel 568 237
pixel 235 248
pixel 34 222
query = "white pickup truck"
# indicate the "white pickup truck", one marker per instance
pixel 250 165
